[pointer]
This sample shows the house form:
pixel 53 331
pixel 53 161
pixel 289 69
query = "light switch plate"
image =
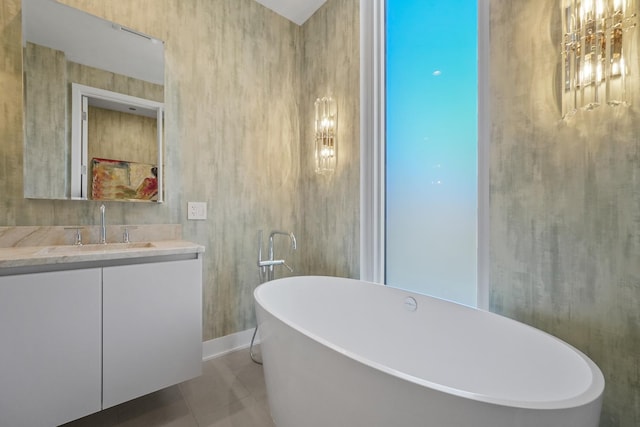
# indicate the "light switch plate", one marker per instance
pixel 196 210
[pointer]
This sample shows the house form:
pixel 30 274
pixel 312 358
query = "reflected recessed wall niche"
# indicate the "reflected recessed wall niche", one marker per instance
pixel 596 49
pixel 93 107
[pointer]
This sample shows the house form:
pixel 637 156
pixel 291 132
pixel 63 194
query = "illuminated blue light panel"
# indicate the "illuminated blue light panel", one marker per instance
pixel 431 152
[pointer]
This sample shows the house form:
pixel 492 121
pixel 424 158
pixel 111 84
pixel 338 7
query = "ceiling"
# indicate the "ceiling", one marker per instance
pixel 297 11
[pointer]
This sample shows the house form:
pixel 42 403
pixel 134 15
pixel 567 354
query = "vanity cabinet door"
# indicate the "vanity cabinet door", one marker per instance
pixel 152 327
pixel 50 347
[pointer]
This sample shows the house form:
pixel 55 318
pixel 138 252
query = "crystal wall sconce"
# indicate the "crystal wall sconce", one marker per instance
pixel 595 53
pixel 326 120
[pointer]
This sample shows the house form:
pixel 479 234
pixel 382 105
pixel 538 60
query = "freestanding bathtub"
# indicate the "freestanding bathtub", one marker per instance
pixel 346 353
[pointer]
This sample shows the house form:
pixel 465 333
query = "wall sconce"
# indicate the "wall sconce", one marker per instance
pixel 326 121
pixel 595 49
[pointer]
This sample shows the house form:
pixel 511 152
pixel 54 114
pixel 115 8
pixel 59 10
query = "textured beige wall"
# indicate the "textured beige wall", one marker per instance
pixel 122 136
pixel 11 115
pixel 235 131
pixel 102 79
pixel 330 226
pixel 46 157
pixel 565 204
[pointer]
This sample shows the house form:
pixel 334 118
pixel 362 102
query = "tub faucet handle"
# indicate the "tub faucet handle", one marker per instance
pixel 287 265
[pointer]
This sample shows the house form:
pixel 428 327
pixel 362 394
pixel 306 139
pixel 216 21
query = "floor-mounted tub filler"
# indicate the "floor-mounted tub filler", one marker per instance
pixel 342 352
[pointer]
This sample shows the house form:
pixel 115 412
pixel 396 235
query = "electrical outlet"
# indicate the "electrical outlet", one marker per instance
pixel 196 210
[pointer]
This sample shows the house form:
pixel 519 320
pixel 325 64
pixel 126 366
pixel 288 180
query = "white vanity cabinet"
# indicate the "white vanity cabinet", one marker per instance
pixel 73 342
pixel 50 347
pixel 151 328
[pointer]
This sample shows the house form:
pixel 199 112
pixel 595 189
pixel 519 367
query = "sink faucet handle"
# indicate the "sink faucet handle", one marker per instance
pixel 126 234
pixel 78 235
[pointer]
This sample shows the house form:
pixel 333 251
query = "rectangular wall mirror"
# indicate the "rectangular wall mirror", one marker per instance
pixel 93 107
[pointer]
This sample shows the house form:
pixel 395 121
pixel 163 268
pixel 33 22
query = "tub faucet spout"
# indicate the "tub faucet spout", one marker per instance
pixel 292 237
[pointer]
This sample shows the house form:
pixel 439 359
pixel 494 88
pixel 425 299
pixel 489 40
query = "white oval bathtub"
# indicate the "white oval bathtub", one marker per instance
pixel 342 352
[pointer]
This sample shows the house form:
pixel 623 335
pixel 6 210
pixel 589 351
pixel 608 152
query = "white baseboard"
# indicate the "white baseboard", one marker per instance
pixel 223 345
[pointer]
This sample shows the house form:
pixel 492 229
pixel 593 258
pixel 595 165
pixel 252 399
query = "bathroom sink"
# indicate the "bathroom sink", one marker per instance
pixel 95 247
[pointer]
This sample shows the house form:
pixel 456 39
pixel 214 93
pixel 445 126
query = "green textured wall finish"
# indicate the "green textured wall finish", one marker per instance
pixel 565 204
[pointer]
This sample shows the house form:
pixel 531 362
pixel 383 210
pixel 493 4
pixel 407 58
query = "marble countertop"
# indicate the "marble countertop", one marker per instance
pixel 27 256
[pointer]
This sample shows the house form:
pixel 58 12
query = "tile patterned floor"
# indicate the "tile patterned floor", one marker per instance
pixel 230 393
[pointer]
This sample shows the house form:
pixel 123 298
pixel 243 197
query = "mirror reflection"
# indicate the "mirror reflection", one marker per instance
pixel 103 142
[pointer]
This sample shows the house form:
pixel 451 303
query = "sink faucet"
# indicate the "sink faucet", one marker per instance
pixel 103 227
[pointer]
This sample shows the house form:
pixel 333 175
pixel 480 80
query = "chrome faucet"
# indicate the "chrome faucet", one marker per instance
pixel 103 227
pixel 78 235
pixel 126 235
pixel 267 266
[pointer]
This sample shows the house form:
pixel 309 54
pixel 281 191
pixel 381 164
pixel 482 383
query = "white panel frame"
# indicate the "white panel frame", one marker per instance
pixel 372 141
pixel 372 145
pixel 484 144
